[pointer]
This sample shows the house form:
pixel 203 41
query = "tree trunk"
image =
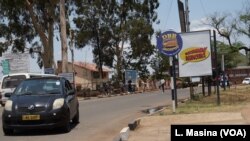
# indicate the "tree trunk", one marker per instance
pixel 63 37
pixel 47 55
pixel 119 63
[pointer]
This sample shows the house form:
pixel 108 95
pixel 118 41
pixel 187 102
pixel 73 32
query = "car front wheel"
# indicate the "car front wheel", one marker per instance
pixel 75 120
pixel 67 127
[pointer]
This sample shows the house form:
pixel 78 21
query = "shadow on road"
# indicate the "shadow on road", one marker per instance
pixel 39 132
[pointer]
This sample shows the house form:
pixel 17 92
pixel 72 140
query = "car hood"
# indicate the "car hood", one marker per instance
pixel 36 100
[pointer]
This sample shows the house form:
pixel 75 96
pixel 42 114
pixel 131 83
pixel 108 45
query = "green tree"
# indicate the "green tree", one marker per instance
pixel 243 25
pixel 227 27
pixel 110 25
pixel 23 21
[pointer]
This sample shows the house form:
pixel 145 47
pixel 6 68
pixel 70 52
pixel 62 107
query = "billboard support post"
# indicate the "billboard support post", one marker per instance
pixel 172 81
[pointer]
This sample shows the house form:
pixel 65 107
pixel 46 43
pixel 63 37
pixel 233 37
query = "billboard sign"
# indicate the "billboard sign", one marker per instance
pixel 195 56
pixel 69 76
pixel 169 43
pixel 49 70
pixel 130 75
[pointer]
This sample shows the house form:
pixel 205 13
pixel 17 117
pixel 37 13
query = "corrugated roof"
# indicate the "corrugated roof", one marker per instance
pixel 91 66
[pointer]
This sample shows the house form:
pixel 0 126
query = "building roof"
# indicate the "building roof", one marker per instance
pixel 91 66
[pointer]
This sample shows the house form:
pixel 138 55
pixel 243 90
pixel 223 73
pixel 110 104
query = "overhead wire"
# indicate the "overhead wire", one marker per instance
pixel 168 13
pixel 203 8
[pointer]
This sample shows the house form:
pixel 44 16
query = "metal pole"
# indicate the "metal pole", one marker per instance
pixel 172 82
pixel 174 79
pixel 72 56
pixel 223 71
pixel 217 70
pixel 187 16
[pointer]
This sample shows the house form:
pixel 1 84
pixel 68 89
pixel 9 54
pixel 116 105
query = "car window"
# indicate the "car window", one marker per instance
pixel 39 87
pixel 12 81
pixel 67 86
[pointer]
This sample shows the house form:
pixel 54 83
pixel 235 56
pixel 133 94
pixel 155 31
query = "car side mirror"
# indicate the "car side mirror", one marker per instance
pixel 71 92
pixel 7 94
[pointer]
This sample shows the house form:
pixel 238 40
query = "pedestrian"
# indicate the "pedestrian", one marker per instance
pixel 162 84
pixel 129 86
pixel 144 85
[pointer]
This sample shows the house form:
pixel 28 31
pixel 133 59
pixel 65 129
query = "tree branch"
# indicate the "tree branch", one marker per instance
pixel 37 27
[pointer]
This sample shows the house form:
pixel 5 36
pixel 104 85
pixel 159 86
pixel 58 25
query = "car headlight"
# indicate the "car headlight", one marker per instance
pixel 8 105
pixel 58 103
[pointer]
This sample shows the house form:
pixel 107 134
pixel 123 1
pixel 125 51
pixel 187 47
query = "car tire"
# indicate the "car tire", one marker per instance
pixel 67 127
pixel 75 120
pixel 8 131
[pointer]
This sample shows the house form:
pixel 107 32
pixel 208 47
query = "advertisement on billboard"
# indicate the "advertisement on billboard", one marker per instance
pixel 130 75
pixel 169 43
pixel 195 56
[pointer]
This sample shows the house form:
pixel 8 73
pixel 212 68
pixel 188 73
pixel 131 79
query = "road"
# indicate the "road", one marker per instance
pixel 101 119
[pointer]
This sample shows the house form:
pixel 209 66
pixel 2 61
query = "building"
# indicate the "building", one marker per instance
pixel 86 74
pixel 236 75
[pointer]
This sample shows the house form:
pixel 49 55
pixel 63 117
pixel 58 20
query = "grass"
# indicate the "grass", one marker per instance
pixel 233 99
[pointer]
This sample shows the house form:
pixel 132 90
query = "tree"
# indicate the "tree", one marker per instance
pixel 63 37
pixel 224 25
pixel 243 26
pixel 110 25
pixel 23 21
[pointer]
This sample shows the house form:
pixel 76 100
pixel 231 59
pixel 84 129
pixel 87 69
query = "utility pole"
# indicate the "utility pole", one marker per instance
pixel 217 71
pixel 188 30
pixel 72 54
pixel 187 16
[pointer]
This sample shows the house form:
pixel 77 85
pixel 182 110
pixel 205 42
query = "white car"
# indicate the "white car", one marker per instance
pixel 246 80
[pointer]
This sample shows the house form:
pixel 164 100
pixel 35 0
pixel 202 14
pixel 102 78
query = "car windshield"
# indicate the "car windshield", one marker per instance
pixel 12 81
pixel 39 87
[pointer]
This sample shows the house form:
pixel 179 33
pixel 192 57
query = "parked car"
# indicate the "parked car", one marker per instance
pixel 45 102
pixel 10 81
pixel 246 80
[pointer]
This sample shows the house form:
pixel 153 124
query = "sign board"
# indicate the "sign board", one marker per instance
pixel 18 62
pixel 130 75
pixel 49 71
pixel 169 43
pixel 195 56
pixel 195 79
pixel 69 76
pixel 6 67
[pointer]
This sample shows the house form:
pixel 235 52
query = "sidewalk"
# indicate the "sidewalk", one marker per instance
pixel 157 128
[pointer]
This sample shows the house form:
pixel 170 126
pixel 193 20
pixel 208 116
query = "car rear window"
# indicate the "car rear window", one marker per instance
pixel 12 81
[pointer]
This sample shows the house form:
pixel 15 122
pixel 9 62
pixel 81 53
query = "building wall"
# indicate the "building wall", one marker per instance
pixel 236 75
pixel 84 77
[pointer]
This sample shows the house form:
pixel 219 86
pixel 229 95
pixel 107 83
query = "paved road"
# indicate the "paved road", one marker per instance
pixel 101 119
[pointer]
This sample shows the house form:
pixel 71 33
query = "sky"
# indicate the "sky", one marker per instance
pixel 169 19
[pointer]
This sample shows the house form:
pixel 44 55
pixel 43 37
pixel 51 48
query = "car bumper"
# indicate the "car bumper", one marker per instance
pixel 47 120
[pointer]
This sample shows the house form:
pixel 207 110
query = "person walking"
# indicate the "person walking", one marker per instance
pixel 129 86
pixel 162 84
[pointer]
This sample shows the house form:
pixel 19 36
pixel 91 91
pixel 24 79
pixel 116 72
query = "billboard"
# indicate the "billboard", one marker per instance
pixel 195 56
pixel 130 75
pixel 18 62
pixel 169 43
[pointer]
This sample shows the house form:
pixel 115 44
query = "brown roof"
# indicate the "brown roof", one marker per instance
pixel 91 66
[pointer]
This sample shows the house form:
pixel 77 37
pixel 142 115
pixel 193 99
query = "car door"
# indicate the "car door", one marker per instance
pixel 71 99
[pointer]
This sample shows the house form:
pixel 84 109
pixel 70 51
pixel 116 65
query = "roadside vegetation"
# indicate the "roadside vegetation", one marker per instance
pixel 233 99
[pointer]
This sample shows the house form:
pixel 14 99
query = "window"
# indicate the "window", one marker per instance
pixel 96 75
pixel 12 81
pixel 67 86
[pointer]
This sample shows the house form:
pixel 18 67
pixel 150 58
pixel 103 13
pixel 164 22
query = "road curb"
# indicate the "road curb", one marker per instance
pixel 124 133
pixel 134 124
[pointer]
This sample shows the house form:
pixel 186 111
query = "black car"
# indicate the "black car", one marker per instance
pixel 36 103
